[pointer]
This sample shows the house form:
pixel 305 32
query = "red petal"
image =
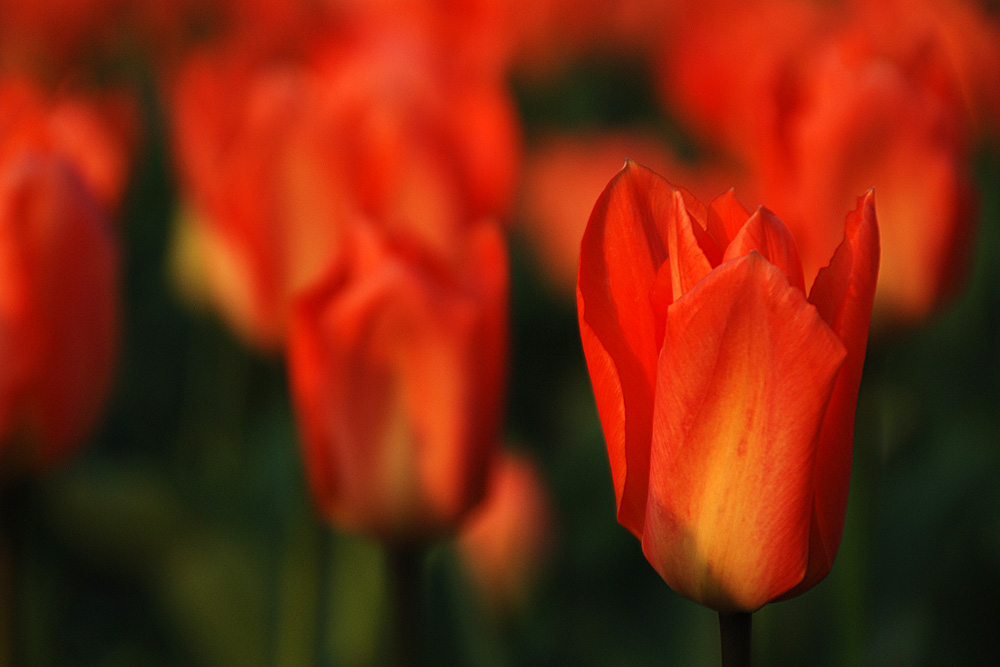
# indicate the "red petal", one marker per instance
pixel 767 234
pixel 391 382
pixel 744 378
pixel 843 293
pixel 688 263
pixel 623 247
pixel 726 217
pixel 488 275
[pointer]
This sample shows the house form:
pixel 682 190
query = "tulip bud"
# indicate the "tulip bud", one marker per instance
pixel 58 309
pixel 507 539
pixel 726 391
pixel 831 104
pixel 397 364
pixel 862 121
pixel 278 158
pixel 60 171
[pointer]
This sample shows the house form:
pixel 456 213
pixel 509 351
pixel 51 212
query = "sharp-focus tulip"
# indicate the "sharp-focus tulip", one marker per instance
pixel 397 364
pixel 58 286
pixel 726 391
pixel 508 538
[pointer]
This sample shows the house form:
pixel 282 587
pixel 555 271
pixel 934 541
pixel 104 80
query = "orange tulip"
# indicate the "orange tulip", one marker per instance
pixel 963 33
pixel 830 104
pixel 277 158
pixel 725 390
pixel 508 538
pixel 726 62
pixel 58 280
pixel 397 364
pixel 863 120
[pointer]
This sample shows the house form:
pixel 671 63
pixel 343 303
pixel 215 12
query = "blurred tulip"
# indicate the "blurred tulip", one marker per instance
pixel 277 158
pixel 68 37
pixel 726 392
pixel 563 174
pixel 95 135
pixel 825 108
pixel 726 63
pixel 961 33
pixel 58 278
pixel 506 542
pixel 397 365
pixel 862 121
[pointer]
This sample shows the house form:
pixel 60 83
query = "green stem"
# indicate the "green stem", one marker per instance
pixel 324 553
pixel 405 569
pixel 734 630
pixel 6 591
pixel 12 526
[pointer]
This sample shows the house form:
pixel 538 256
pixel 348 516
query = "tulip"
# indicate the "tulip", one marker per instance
pixel 726 391
pixel 58 309
pixel 963 33
pixel 722 79
pixel 829 105
pixel 396 363
pixel 92 135
pixel 277 158
pixel 863 119
pixel 507 540
pixel 61 171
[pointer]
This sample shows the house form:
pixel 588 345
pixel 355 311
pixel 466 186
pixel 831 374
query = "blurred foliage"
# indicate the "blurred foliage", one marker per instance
pixel 184 535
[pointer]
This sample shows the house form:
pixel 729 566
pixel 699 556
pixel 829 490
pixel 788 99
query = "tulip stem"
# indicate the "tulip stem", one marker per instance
pixel 405 569
pixel 7 633
pixel 324 564
pixel 9 545
pixel 734 630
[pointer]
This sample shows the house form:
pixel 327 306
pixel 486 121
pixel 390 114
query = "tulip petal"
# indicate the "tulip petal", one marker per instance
pixel 688 263
pixel 726 217
pixel 392 387
pixel 768 235
pixel 843 293
pixel 621 252
pixel 487 274
pixel 744 377
pixel 698 214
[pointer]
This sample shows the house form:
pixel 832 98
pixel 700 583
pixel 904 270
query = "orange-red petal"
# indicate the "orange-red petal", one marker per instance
pixel 623 247
pixel 726 216
pixel 745 374
pixel 843 293
pixel 767 234
pixel 688 263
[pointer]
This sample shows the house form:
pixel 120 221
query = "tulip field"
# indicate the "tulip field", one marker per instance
pixel 487 333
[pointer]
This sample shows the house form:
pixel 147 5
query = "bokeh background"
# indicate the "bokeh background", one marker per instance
pixel 182 531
